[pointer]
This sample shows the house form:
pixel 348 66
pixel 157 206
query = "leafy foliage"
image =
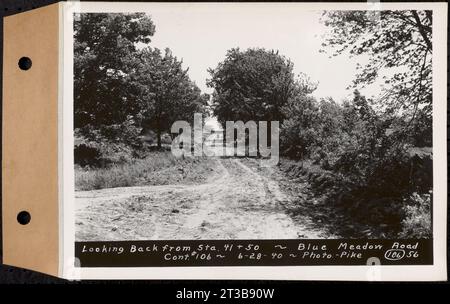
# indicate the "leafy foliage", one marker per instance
pixel 169 94
pixel 106 91
pixel 397 43
pixel 417 223
pixel 252 85
pixel 378 162
pixel 366 164
pixel 124 88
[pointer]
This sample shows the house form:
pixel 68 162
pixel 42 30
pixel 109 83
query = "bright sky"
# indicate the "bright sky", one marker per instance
pixel 201 35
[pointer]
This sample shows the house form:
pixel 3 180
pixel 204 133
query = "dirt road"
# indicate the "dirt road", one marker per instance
pixel 237 203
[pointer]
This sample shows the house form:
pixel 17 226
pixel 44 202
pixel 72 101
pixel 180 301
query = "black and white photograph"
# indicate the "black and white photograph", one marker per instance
pixel 350 92
pixel 210 134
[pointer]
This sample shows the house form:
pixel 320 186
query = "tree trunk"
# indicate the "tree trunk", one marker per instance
pixel 422 31
pixel 158 134
pixel 258 153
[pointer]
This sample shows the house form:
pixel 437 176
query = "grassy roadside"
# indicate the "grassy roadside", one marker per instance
pixel 159 168
pixel 320 194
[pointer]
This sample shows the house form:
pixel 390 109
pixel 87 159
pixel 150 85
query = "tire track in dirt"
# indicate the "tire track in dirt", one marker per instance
pixel 238 204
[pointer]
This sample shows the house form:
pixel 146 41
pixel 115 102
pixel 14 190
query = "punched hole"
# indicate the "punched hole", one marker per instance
pixel 23 217
pixel 25 63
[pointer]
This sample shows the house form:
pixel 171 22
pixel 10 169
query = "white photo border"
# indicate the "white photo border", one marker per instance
pixel 435 272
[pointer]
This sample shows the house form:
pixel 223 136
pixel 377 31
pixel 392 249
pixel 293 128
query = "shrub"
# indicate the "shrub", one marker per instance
pixel 370 156
pixel 417 222
pixel 86 155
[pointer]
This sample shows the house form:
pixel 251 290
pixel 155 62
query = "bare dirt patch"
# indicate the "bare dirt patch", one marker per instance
pixel 236 202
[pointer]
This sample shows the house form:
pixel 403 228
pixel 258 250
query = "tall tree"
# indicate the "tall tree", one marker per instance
pixel 169 94
pixel 252 85
pixel 105 62
pixel 399 41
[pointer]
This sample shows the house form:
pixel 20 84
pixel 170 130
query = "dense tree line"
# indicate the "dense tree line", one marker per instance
pixel 123 86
